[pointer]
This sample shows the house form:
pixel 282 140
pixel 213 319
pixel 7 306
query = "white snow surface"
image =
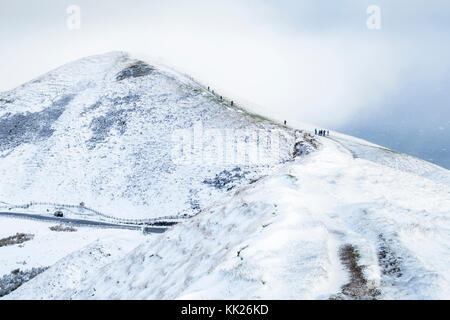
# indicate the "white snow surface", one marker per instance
pixel 90 249
pixel 78 134
pixel 278 237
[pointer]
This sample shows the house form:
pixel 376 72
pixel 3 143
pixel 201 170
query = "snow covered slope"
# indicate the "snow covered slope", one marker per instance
pixel 286 236
pixel 344 219
pixel 92 248
pixel 101 131
pixel 393 159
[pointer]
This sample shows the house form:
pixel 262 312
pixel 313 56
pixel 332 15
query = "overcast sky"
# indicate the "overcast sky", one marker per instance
pixel 313 61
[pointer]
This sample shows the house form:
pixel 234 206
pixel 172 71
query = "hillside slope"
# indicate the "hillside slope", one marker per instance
pixel 107 131
pixel 327 226
pixel 320 218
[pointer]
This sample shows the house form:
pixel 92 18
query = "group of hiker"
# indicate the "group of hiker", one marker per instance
pixel 322 132
pixel 220 97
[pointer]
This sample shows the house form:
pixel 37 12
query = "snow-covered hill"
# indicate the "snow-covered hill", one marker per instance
pixel 343 219
pixel 103 130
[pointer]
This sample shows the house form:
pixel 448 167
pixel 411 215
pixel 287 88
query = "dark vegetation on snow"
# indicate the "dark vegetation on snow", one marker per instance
pixel 5 101
pixel 389 262
pixel 121 108
pixel 358 288
pixel 311 140
pixel 227 179
pixel 302 148
pixel 305 146
pixel 30 127
pixel 101 126
pixel 193 200
pixel 16 278
pixel 137 69
pixel 16 239
pixel 61 228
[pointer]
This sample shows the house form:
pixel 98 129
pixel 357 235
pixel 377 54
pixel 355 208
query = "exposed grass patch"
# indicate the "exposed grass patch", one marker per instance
pixel 16 278
pixel 358 288
pixel 260 117
pixel 16 239
pixel 135 70
pixel 311 140
pixel 61 228
pixel 291 176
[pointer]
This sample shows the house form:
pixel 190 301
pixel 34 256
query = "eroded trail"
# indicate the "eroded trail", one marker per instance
pixel 358 287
